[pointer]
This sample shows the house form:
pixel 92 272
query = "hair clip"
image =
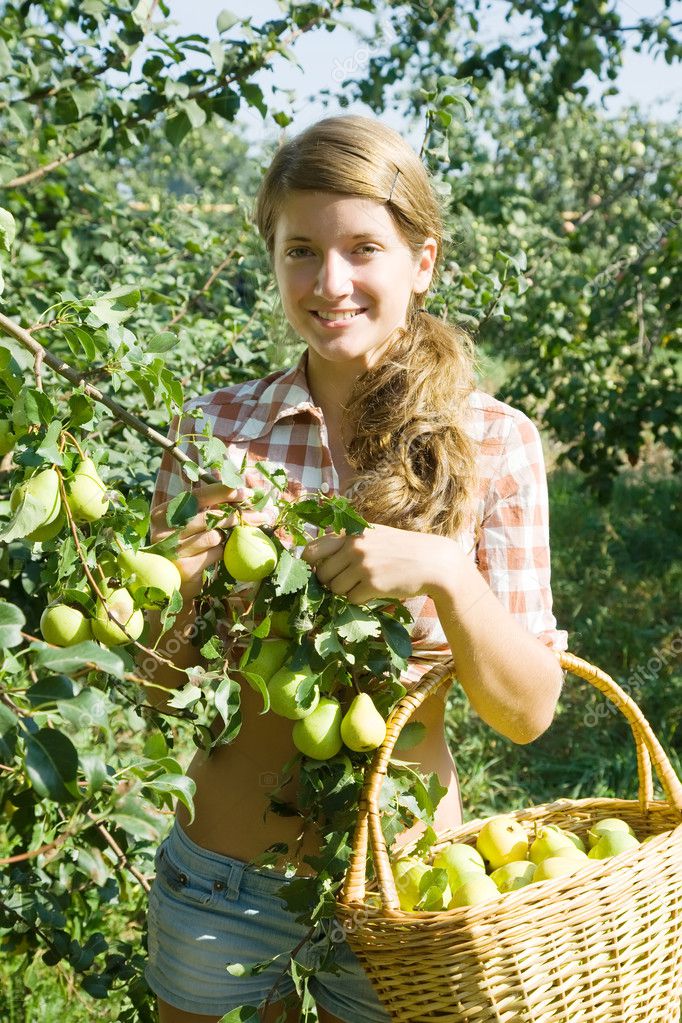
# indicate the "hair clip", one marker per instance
pixel 393 185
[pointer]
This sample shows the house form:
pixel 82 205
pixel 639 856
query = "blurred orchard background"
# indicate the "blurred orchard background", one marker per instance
pixel 132 139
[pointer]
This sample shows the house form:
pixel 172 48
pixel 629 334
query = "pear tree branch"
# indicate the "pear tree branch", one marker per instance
pixel 38 351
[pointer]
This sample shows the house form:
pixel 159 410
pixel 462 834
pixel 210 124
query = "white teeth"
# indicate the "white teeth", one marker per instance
pixel 338 316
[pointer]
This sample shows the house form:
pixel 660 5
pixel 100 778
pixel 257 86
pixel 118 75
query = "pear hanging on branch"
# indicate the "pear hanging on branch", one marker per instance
pixel 141 570
pixel 86 493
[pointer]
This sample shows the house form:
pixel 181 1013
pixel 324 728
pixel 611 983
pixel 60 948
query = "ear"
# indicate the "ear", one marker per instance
pixel 425 266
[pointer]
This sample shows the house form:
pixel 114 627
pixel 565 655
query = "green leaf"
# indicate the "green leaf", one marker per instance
pixel 226 19
pixel 411 735
pixel 8 228
pixel 242 1014
pixel 163 342
pixel 217 55
pixel 291 574
pixel 142 12
pixel 52 764
pixel 82 655
pixel 11 623
pixel 5 59
pixel 356 623
pixel 181 509
pixel 195 114
pixel 178 785
pixel 80 340
pixel 177 127
pixel 396 636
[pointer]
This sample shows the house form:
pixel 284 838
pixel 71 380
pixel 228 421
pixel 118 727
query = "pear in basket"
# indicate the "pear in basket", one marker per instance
pixel 501 840
pixel 552 841
pixel 557 866
pixel 612 843
pixel 514 875
pixel 607 824
pixel 408 875
pixel 477 889
pixel 459 860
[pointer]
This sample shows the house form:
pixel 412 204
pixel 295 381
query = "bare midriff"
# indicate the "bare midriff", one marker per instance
pixel 232 808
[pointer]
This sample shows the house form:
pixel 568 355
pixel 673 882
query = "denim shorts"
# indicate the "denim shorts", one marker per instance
pixel 207 910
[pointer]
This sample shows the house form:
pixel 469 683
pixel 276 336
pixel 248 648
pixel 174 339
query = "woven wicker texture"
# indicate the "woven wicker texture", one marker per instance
pixel 603 945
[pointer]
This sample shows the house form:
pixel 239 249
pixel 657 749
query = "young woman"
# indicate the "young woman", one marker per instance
pixel 381 407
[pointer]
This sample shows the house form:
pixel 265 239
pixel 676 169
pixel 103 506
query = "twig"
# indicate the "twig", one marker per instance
pixel 122 858
pixel 23 336
pixel 214 274
pixel 37 370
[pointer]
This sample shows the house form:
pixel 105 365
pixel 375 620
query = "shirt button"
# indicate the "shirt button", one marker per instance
pixel 325 488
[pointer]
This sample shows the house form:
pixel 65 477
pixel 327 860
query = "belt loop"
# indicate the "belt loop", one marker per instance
pixel 234 880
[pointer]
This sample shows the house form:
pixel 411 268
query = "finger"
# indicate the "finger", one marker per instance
pixel 199 543
pixel 344 581
pixel 207 495
pixel 328 568
pixel 322 547
pixel 191 569
pixel 211 520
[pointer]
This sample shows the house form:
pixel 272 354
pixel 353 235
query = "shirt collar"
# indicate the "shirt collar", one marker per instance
pixel 286 395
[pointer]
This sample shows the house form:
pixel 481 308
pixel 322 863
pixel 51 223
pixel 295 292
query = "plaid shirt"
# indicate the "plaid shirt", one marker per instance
pixel 275 420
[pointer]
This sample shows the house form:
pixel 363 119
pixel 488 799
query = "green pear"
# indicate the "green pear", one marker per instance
pixel 514 875
pixel 475 890
pixel 48 532
pixel 550 840
pixel 141 569
pixel 319 734
pixel 501 840
pixel 283 687
pixel 43 491
pixel 407 874
pixel 279 625
pixel 459 860
pixel 557 866
pixel 86 493
pixel 64 626
pixel 604 825
pixel 362 727
pixel 120 604
pixel 249 554
pixel 612 843
pixel 269 659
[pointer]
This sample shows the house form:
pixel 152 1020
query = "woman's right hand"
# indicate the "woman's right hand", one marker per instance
pixel 199 545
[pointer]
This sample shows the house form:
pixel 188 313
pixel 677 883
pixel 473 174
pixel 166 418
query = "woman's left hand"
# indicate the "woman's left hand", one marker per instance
pixel 382 562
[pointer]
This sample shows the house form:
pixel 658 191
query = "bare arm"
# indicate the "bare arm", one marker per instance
pixel 511 678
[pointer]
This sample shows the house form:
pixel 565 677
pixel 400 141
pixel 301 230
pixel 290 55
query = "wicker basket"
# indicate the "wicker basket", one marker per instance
pixel 600 946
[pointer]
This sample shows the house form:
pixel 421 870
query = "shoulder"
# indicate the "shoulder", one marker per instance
pixel 229 407
pixel 499 427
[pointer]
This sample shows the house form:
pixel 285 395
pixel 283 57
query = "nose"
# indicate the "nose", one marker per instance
pixel 333 277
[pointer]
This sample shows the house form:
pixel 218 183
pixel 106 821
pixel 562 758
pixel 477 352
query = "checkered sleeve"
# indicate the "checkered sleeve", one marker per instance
pixel 513 552
pixel 170 479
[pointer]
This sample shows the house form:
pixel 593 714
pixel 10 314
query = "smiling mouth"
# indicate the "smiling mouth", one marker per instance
pixel 339 317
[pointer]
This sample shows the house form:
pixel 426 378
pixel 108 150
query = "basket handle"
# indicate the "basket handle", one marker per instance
pixel 368 826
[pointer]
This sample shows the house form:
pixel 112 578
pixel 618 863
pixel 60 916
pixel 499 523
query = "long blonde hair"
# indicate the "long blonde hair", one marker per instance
pixel 414 463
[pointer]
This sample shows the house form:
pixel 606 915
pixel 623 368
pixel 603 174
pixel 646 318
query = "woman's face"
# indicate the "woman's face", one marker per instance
pixel 336 254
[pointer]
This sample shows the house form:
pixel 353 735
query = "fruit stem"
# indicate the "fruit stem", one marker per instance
pixel 74 442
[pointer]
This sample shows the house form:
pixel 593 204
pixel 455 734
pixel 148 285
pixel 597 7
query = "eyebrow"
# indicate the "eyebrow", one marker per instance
pixel 354 237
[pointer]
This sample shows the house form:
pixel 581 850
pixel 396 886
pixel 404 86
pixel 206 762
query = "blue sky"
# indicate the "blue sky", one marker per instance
pixel 652 83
